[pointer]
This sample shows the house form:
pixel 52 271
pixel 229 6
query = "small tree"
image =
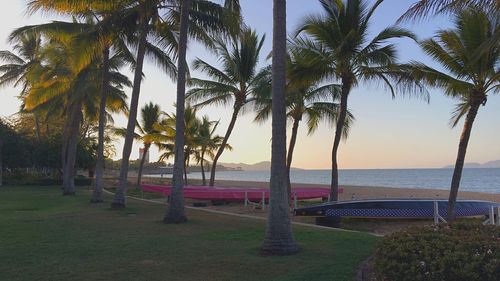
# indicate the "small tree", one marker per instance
pixel 207 143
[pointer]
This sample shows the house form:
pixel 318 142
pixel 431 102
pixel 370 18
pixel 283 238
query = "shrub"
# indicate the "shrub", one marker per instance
pixel 465 251
pixel 24 177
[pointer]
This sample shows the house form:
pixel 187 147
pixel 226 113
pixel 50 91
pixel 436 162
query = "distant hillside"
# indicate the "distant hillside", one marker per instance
pixel 261 166
pixel 490 164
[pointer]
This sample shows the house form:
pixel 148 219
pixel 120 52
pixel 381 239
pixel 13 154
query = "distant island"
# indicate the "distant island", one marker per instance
pixel 490 164
pixel 260 166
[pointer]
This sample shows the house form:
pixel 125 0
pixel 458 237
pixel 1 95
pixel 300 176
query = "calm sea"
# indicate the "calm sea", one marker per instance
pixel 480 180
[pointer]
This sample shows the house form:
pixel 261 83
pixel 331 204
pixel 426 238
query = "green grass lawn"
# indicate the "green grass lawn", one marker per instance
pixel 45 236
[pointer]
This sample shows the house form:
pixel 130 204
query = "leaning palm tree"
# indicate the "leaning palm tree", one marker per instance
pixel 150 116
pixel 209 18
pixel 471 74
pixel 335 45
pixel 279 238
pixel 236 82
pixel 147 15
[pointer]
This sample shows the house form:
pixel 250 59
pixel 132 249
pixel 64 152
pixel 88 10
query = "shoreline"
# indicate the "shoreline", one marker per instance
pixel 376 192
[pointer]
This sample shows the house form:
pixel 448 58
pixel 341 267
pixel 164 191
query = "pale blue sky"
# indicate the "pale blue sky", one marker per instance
pixel 400 133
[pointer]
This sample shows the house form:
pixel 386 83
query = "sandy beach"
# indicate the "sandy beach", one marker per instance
pixel 372 192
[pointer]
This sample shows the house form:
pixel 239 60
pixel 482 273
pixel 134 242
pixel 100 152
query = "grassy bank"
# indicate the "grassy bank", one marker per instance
pixel 44 236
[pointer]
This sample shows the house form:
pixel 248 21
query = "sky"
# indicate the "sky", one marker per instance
pixel 388 133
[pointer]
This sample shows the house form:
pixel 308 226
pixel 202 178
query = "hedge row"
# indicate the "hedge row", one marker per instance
pixel 463 251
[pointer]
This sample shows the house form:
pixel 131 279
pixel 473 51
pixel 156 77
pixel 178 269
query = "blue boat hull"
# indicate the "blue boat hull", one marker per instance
pixel 396 208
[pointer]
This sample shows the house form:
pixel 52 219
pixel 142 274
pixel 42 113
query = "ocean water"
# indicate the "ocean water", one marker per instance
pixel 479 180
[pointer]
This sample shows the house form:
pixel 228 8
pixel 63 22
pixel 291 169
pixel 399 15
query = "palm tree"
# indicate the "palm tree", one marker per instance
pixel 279 238
pixel 120 21
pixel 150 116
pixel 145 12
pixel 200 140
pixel 66 79
pixel 219 20
pixel 304 100
pixel 17 67
pixel 426 8
pixel 207 143
pixel 1 162
pixel 175 211
pixel 236 83
pixel 335 44
pixel 471 74
pixel 167 132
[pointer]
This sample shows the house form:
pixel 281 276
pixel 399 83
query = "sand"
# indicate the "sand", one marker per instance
pixel 374 192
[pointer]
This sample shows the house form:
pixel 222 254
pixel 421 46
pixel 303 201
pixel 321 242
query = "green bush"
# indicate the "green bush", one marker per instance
pixel 23 177
pixel 465 251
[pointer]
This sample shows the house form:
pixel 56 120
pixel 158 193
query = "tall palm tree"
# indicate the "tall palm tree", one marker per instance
pixel 175 211
pixel 217 20
pixel 279 238
pixel 335 44
pixel 236 83
pixel 471 74
pixel 146 10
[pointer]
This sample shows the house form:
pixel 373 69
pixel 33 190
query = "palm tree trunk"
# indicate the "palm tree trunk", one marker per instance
pixel 175 212
pixel 1 161
pixel 291 147
pixel 141 166
pixel 185 170
pixel 119 199
pixel 37 127
pixel 202 162
pixel 459 164
pixel 346 88
pixel 70 150
pixel 64 145
pixel 224 143
pixel 279 237
pixel 99 173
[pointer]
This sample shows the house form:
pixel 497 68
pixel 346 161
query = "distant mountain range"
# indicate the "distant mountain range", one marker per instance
pixel 490 164
pixel 260 166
